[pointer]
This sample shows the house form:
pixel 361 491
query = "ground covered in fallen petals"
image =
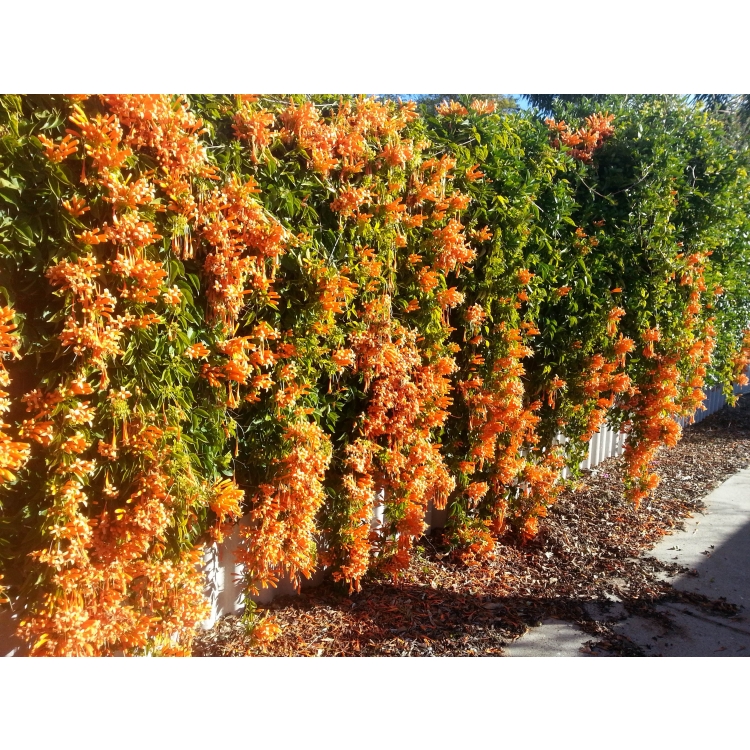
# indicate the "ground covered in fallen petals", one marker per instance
pixel 590 549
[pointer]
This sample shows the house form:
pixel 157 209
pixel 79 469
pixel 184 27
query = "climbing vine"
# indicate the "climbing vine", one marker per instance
pixel 317 318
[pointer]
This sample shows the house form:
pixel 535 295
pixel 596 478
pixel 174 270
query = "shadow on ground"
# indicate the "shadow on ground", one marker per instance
pixel 414 620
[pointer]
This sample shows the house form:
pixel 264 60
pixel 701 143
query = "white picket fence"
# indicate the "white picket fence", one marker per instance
pixel 223 573
pixel 607 443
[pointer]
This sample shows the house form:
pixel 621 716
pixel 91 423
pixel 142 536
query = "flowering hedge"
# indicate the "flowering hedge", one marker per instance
pixel 275 308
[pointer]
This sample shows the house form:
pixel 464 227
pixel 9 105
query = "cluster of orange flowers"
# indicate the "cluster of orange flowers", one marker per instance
pixel 515 480
pixel 111 585
pixel 502 431
pixel 452 251
pixel 226 503
pixel 336 291
pixel 407 399
pixel 253 126
pixel 245 245
pixel 452 108
pixel 91 329
pixel 741 361
pixel 585 140
pixel 342 143
pixel 94 607
pixel 672 386
pixel 247 357
pixel 13 453
pixel 654 408
pixel 602 377
pixel 280 534
pixel 58 152
pixel 164 126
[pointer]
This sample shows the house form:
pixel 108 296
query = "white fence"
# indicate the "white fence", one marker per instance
pixel 607 443
pixel 223 573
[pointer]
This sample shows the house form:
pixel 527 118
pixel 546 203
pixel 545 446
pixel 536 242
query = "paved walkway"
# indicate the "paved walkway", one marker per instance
pixel 715 547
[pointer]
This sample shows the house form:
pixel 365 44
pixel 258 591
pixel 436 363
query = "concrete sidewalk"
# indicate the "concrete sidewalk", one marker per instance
pixel 715 547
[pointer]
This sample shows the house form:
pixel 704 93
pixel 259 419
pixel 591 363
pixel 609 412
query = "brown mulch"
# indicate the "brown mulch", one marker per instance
pixel 589 552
